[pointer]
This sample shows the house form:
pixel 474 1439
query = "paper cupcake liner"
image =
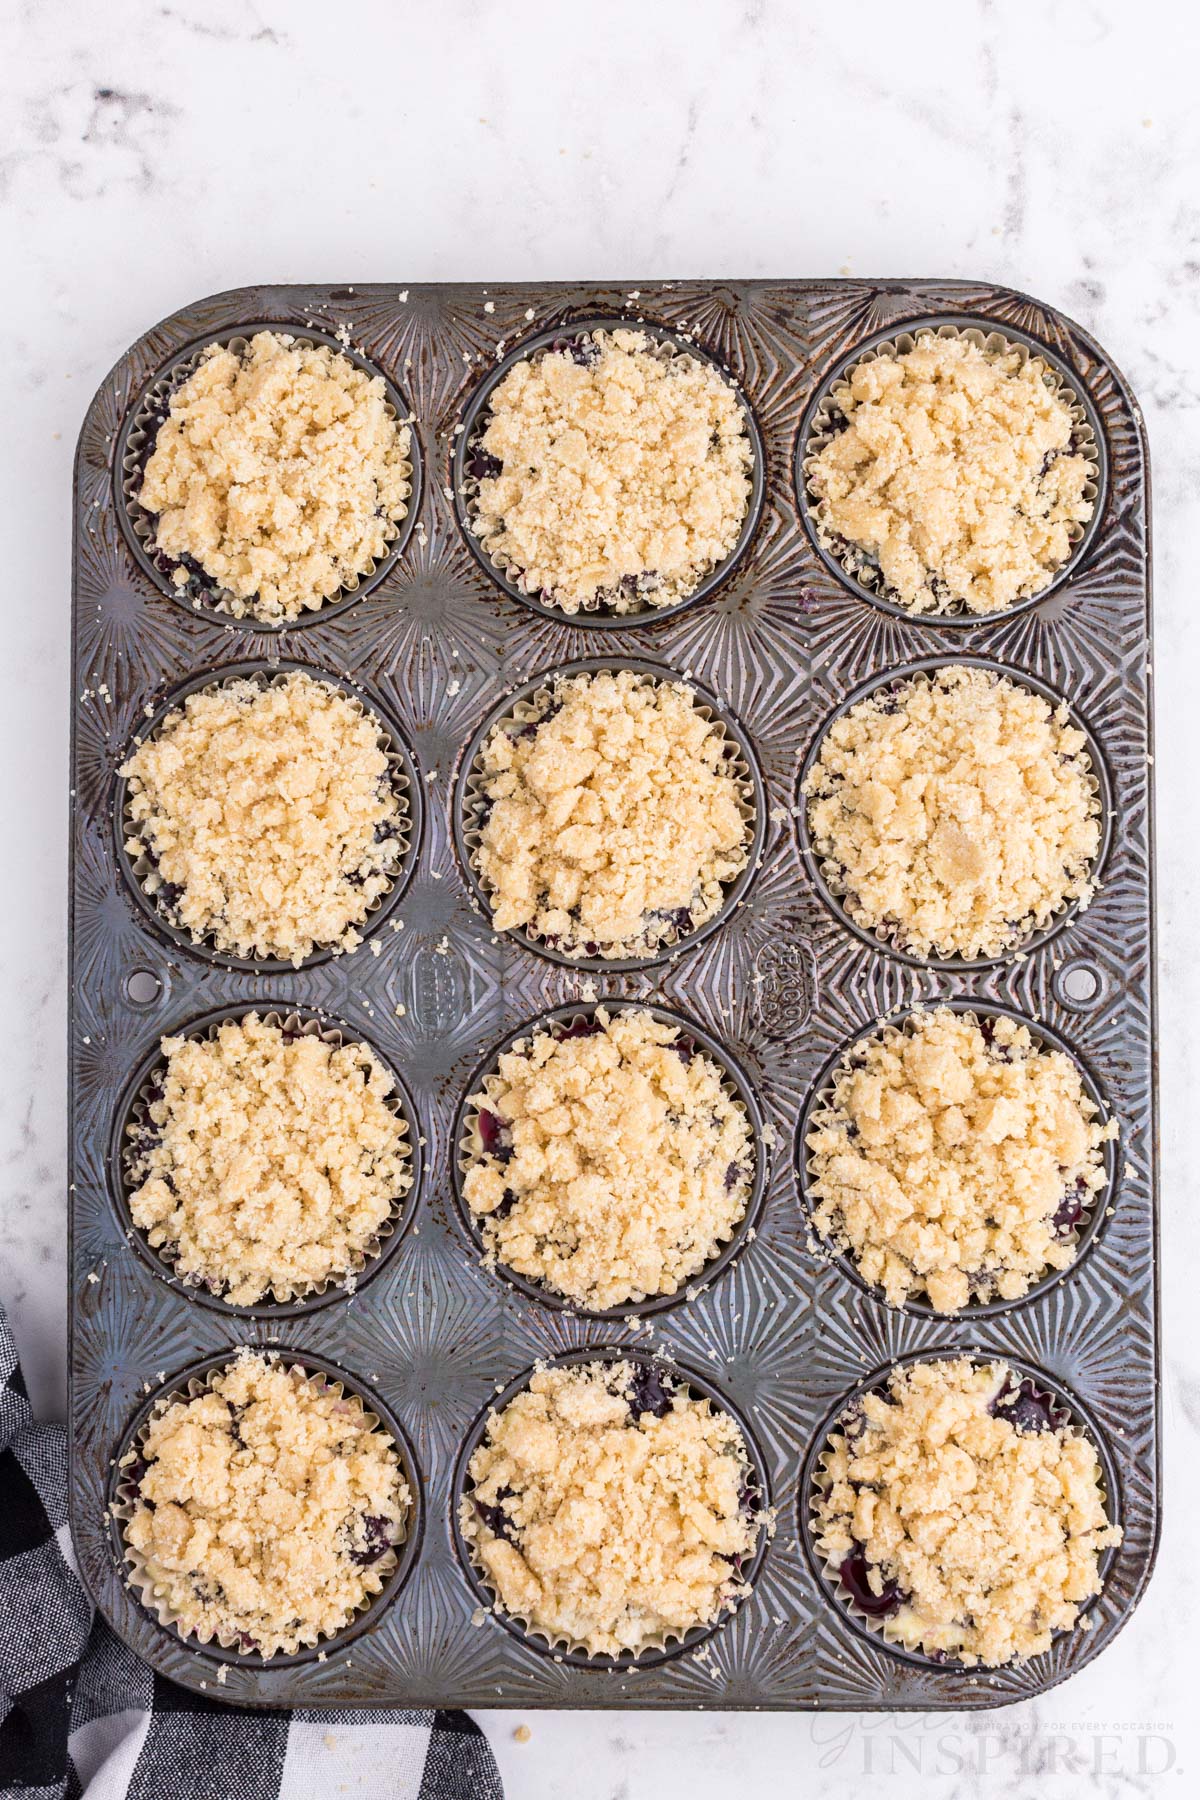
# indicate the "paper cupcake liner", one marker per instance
pixel 134 1109
pixel 527 706
pixel 660 1647
pixel 141 873
pixel 469 1150
pixel 1064 1409
pixel 392 1569
pixel 665 345
pixel 136 443
pixel 854 565
pixel 1095 1206
pixel 827 874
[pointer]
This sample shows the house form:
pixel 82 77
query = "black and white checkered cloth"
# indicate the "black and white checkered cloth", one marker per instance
pixel 81 1715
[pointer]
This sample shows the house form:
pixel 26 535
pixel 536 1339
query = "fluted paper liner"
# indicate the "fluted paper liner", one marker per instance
pixel 857 563
pixel 300 1024
pixel 528 707
pixel 469 1150
pixel 816 1112
pixel 665 345
pixel 147 876
pixel 885 1629
pixel 660 1644
pixel 201 592
pixel 124 1505
pixel 829 876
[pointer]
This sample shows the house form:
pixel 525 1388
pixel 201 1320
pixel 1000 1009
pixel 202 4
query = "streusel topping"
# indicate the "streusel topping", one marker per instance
pixel 612 472
pixel 614 819
pixel 609 1511
pixel 955 1158
pixel 281 472
pixel 268 1160
pixel 978 1516
pixel 954 474
pixel 268 1508
pixel 955 812
pixel 269 816
pixel 609 1163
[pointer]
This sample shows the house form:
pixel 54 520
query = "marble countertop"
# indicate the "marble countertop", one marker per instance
pixel 155 152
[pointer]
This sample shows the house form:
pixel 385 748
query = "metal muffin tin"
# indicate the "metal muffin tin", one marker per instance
pixel 783 1335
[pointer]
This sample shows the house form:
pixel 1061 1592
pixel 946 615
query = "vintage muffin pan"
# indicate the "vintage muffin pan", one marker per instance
pixel 436 644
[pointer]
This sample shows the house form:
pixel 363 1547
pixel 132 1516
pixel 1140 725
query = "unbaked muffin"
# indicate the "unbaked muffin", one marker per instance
pixel 264 1510
pixel 278 477
pixel 607 1159
pixel 961 1510
pixel 952 480
pixel 268 815
pixel 267 1161
pixel 610 1509
pixel 610 821
pixel 955 1158
pixel 955 813
pixel 612 471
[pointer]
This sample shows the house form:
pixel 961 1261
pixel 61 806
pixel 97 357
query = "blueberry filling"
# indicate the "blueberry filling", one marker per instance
pixel 481 465
pixel 649 1391
pixel 1070 1210
pixel 854 1573
pixel 1032 1410
pixel 376 1540
pixel 494 1517
pixel 684 1048
pixel 495 1136
pixel 580 1028
pixel 732 1176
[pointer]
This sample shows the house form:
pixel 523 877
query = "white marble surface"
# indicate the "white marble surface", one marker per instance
pixel 153 152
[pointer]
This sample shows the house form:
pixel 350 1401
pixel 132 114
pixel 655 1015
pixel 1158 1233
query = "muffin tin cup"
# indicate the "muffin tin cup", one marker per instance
pixel 823 872
pixel 526 704
pixel 467 1148
pixel 134 1107
pixel 1096 1210
pixel 404 779
pixel 122 1498
pixel 1067 1410
pixel 853 567
pixel 136 443
pixel 664 1647
pixel 474 421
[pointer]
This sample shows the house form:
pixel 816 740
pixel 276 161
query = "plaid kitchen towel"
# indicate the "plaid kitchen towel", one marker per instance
pixel 80 1715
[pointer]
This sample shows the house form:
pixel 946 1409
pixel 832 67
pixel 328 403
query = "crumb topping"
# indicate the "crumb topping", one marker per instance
pixel 281 472
pixel 609 1162
pixel 269 816
pixel 613 471
pixel 955 1159
pixel 614 819
pixel 953 475
pixel 975 1516
pixel 268 1160
pixel 268 1507
pixel 955 812
pixel 609 1511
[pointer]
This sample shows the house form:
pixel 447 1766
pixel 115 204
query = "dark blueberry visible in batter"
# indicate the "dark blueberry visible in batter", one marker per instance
pixel 481 465
pixel 376 1540
pixel 649 1392
pixel 495 1517
pixel 580 1028
pixel 854 1571
pixel 494 1136
pixel 1031 1410
pixel 1070 1210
